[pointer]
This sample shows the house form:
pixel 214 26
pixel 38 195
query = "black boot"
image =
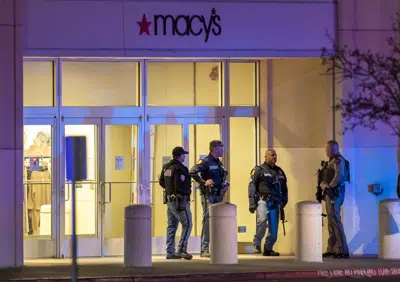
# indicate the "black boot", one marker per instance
pixel 173 256
pixel 328 255
pixel 185 255
pixel 270 253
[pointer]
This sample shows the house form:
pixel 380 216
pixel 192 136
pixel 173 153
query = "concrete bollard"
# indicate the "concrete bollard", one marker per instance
pixel 309 231
pixel 389 229
pixel 223 234
pixel 137 239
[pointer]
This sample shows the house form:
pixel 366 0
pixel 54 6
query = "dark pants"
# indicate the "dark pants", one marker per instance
pixel 267 215
pixel 175 217
pixel 205 231
pixel 337 238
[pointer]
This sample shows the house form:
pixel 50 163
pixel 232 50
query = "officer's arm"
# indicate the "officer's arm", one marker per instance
pixel 176 174
pixel 201 166
pixel 161 181
pixel 339 172
pixel 253 186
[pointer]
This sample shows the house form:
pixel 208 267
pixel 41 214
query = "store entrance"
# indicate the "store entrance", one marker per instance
pixel 111 185
pixel 165 134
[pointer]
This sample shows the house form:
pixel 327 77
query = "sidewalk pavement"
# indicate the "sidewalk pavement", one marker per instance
pixel 250 268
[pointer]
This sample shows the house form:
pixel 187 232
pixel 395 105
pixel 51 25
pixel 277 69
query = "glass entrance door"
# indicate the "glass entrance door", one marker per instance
pixel 165 134
pixel 87 193
pixel 40 201
pixel 111 185
pixel 119 179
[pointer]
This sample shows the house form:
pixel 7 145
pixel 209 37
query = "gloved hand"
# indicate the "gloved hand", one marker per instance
pixel 252 208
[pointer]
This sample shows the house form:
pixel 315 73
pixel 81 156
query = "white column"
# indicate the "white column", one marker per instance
pixel 11 141
pixel 389 225
pixel 223 234
pixel 137 238
pixel 309 231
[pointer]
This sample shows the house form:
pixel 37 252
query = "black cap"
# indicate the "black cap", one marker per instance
pixel 178 151
pixel 216 143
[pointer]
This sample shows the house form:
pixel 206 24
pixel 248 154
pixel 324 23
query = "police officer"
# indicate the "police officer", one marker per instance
pixel 175 180
pixel 268 194
pixel 213 186
pixel 333 176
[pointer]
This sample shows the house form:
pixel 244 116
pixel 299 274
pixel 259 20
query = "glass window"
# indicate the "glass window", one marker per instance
pixel 243 151
pixel 86 191
pixel 243 87
pixel 38 84
pixel 37 180
pixel 184 84
pixel 100 84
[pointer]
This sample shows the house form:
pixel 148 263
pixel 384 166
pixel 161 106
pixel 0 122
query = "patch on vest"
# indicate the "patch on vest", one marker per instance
pixel 183 178
pixel 213 167
pixel 168 172
pixel 199 161
pixel 252 172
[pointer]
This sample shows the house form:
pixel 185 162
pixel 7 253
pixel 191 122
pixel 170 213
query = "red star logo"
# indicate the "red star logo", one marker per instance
pixel 144 25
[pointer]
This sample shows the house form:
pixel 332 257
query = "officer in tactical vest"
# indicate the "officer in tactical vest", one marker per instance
pixel 210 175
pixel 268 194
pixel 333 175
pixel 175 180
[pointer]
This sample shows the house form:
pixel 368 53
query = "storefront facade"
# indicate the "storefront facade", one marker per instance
pixel 138 78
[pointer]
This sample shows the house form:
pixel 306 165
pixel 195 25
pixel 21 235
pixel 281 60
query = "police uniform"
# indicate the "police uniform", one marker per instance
pixel 209 168
pixel 175 179
pixel 334 174
pixel 267 194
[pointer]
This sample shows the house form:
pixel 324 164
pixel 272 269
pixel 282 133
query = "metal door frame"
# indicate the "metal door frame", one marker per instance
pixel 37 247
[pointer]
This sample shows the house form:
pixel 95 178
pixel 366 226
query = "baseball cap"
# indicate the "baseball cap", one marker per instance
pixel 216 143
pixel 178 151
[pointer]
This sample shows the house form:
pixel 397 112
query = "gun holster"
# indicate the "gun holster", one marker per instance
pixel 181 202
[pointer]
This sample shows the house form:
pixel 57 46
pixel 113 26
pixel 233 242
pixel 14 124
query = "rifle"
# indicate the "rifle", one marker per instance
pixel 320 193
pixel 282 216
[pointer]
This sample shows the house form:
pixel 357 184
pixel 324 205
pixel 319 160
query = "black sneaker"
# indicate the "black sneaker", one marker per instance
pixel 341 256
pixel 328 255
pixel 185 255
pixel 256 249
pixel 205 254
pixel 271 253
pixel 173 256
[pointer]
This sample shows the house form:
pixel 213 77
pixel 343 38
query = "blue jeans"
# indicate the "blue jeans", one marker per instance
pixel 267 215
pixel 205 231
pixel 175 217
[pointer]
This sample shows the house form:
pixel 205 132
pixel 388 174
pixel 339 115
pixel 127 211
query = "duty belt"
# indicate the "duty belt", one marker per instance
pixel 173 197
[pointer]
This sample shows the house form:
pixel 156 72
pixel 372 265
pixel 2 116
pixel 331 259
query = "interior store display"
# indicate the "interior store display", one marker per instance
pixel 37 179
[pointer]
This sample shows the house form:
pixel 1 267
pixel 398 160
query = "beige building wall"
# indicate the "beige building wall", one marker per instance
pixel 296 120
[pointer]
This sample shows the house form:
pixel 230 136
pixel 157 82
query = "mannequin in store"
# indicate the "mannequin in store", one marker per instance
pixel 38 188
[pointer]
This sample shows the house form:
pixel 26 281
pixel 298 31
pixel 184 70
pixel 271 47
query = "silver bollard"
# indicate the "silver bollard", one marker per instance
pixel 309 231
pixel 223 234
pixel 138 237
pixel 389 225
